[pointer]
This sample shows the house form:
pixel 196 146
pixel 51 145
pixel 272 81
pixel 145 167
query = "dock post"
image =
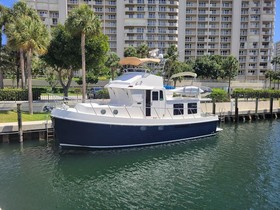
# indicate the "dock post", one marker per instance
pixel 214 107
pixel 236 109
pixel 19 123
pixel 271 107
pixel 257 107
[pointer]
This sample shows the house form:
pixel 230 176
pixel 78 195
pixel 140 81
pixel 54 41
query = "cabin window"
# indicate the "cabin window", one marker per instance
pixel 192 108
pixel 155 95
pixel 161 95
pixel 178 109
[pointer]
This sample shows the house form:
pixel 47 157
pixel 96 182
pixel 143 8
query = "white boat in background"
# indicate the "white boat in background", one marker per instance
pixel 140 112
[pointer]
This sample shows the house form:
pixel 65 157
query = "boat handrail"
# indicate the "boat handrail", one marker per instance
pixel 129 110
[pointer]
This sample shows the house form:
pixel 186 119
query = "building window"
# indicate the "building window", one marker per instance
pixel 178 109
pixel 140 15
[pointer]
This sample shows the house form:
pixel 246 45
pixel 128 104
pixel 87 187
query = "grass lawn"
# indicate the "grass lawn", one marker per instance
pixel 11 116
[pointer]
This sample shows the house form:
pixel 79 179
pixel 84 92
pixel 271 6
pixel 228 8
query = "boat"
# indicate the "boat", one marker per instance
pixel 140 112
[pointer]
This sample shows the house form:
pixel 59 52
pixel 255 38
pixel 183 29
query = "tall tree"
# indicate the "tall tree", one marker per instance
pixel 112 62
pixel 83 22
pixel 3 21
pixel 142 51
pixel 230 66
pixel 171 64
pixel 61 56
pixel 207 67
pixel 64 55
pixel 270 74
pixel 8 61
pixel 28 33
pixel 130 51
pixel 19 10
pixel 276 60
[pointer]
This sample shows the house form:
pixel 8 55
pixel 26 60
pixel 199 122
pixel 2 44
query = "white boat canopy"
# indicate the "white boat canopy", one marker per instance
pixel 184 74
pixel 137 61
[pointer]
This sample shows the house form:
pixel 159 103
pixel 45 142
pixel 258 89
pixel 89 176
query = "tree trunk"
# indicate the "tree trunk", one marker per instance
pixel 83 40
pixel 229 88
pixel 112 73
pixel 18 75
pixel 1 79
pixel 30 96
pixel 65 87
pixel 1 71
pixel 23 86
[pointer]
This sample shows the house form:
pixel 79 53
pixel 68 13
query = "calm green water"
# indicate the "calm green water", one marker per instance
pixel 238 169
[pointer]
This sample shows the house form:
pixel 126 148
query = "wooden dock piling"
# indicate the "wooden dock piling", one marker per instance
pixel 20 133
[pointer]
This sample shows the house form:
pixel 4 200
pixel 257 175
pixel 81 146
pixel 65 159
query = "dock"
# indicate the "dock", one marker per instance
pixel 41 130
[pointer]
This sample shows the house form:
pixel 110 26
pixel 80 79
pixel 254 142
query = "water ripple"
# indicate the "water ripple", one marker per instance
pixel 238 169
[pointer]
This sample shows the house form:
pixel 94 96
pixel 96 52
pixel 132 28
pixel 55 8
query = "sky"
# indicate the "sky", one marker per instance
pixel 9 3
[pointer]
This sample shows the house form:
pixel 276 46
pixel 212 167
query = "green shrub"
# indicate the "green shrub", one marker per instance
pixel 251 93
pixel 9 94
pixel 102 94
pixel 219 95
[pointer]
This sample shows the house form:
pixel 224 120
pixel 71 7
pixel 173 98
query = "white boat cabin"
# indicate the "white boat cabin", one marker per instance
pixel 139 94
pixel 143 95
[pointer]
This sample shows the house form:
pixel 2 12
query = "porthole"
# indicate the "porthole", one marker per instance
pixel 115 112
pixel 103 111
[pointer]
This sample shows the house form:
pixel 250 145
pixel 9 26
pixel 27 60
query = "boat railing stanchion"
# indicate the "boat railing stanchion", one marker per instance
pixel 142 112
pixel 111 110
pixel 92 108
pixel 169 113
pixel 127 111
pixel 156 112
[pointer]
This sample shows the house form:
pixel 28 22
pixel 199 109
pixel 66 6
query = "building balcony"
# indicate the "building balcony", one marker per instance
pixel 73 2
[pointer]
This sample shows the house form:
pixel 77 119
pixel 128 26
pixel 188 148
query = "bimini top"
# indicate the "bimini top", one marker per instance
pixel 184 74
pixel 137 61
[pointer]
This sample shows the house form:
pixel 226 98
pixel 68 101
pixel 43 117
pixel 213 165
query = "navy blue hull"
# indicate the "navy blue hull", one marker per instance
pixel 72 133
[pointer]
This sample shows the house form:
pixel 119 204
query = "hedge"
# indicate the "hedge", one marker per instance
pixel 219 95
pixel 8 94
pixel 251 93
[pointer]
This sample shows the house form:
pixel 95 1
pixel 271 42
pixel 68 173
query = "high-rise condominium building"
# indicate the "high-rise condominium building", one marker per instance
pixel 243 28
pixel 277 54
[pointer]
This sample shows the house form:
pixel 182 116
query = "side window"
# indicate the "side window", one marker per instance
pixel 178 109
pixel 155 95
pixel 192 108
pixel 161 95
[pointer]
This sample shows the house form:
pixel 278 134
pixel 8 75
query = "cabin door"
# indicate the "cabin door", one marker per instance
pixel 157 108
pixel 148 103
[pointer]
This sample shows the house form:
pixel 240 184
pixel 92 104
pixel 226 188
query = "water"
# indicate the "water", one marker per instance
pixel 238 169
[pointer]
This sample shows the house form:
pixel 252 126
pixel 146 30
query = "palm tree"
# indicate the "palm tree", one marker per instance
pixel 230 66
pixel 19 10
pixel 112 62
pixel 142 51
pixel 30 35
pixel 83 22
pixel 270 74
pixel 276 61
pixel 130 51
pixel 3 20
